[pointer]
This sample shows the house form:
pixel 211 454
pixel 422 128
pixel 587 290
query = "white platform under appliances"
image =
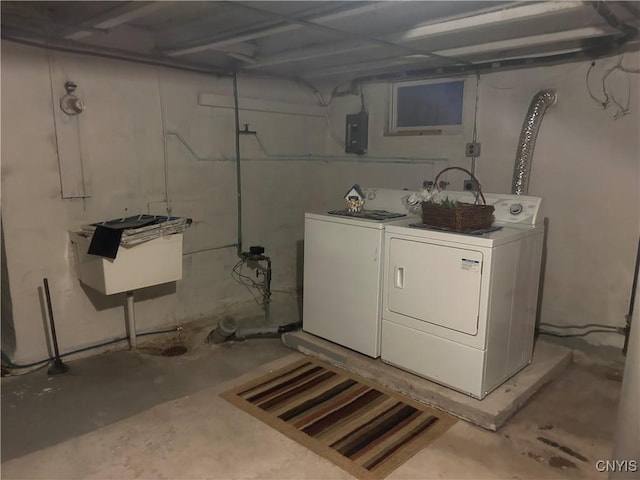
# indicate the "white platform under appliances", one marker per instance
pixel 460 309
pixel 343 264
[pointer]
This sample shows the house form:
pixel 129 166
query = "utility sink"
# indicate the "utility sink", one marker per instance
pixel 137 266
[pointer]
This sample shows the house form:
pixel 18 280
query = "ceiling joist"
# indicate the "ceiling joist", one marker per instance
pixel 341 40
pixel 422 32
pixel 267 32
pixel 127 12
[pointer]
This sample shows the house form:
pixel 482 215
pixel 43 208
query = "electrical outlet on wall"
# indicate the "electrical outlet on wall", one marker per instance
pixel 472 149
pixel 469 185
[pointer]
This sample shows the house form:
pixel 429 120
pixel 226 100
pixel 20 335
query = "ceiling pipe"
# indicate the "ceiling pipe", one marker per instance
pixel 527 141
pixel 605 12
pixel 604 48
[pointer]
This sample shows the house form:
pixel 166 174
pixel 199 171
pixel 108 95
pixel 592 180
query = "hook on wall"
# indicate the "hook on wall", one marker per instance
pixel 69 103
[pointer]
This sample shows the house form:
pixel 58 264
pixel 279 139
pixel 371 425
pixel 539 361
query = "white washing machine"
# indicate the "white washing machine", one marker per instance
pixel 343 265
pixel 460 309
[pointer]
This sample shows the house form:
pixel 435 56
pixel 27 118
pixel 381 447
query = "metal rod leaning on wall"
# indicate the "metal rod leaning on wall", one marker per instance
pixel 57 367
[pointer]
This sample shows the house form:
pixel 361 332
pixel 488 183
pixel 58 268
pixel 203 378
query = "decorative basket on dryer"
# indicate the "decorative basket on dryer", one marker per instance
pixel 455 215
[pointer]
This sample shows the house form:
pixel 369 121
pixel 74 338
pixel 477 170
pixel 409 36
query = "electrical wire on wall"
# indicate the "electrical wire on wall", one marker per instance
pixel 353 90
pixel 590 327
pixel 336 92
pixel 165 155
pixel 339 142
pixel 236 112
pixel 608 93
pixel 37 365
pixel 474 135
pixel 53 104
pixel 263 297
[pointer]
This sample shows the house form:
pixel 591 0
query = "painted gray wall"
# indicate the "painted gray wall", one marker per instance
pixel 586 166
pixel 117 156
pixel 114 152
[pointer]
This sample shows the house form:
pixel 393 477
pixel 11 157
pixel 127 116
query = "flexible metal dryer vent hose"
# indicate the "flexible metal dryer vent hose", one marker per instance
pixel 527 140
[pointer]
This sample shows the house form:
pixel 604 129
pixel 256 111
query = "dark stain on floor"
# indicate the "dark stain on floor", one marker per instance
pixel 563 448
pixel 563 463
pixel 536 457
pixel 545 427
pixel 615 376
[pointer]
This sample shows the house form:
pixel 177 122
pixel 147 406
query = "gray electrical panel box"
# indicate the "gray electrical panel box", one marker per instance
pixel 357 134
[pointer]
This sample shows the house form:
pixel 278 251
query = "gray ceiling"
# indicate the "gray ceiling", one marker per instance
pixel 334 40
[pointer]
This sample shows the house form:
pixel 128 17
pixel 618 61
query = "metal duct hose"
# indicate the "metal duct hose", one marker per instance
pixel 527 140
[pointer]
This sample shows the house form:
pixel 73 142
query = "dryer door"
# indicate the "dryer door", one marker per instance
pixel 435 283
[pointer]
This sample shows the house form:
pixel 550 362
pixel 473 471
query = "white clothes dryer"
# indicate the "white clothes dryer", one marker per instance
pixel 460 309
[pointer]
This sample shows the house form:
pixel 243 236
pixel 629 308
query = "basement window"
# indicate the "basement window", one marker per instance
pixel 427 107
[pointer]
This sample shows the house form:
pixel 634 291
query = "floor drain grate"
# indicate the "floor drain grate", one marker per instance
pixel 174 351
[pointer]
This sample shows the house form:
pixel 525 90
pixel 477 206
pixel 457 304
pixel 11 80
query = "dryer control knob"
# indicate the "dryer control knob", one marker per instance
pixel 515 209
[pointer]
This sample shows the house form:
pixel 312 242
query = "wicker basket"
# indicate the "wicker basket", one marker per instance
pixel 464 217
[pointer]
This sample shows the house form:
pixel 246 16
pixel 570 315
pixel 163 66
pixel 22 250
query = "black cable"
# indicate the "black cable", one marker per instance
pixel 6 362
pixel 602 103
pixel 240 276
pixel 236 111
pixel 583 334
pixel 586 325
pixel 253 284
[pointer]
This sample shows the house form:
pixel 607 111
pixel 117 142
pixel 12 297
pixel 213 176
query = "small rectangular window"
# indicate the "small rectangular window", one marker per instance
pixel 434 105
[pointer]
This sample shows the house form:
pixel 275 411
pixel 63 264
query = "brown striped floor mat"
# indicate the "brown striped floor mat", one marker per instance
pixel 362 427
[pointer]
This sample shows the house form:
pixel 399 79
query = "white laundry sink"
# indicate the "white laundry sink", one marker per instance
pixel 150 263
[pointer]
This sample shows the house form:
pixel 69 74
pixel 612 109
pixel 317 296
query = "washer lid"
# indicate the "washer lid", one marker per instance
pixel 359 222
pixel 368 214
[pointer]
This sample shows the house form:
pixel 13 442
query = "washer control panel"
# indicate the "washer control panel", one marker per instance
pixel 519 209
pixel 515 208
pixel 509 208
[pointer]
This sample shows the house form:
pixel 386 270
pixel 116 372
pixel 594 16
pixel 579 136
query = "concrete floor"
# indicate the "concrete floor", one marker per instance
pixel 134 415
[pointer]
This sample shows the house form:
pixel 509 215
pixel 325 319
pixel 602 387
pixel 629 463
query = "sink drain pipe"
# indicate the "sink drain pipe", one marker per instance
pixel 131 321
pixel 227 329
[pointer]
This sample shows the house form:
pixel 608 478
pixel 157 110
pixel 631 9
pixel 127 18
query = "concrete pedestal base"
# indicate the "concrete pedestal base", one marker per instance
pixel 491 413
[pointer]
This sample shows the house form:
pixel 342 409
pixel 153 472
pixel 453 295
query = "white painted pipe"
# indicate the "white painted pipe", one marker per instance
pixel 131 319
